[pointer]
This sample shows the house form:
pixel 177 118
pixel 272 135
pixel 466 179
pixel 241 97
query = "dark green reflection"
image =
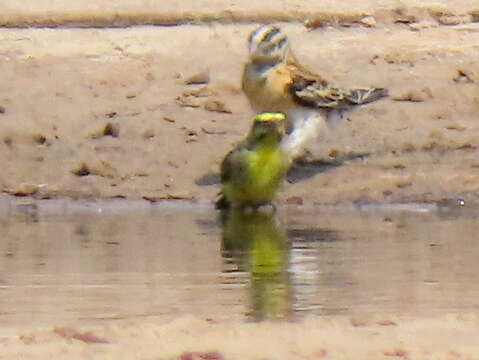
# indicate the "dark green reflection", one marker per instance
pixel 256 244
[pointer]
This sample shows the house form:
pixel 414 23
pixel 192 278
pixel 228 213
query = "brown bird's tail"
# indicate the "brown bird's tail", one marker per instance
pixel 364 96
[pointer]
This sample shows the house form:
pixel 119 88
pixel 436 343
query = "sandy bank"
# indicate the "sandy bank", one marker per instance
pixel 107 113
pixel 130 12
pixel 379 337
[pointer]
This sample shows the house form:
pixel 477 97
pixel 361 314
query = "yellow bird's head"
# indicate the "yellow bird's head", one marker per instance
pixel 268 126
pixel 268 46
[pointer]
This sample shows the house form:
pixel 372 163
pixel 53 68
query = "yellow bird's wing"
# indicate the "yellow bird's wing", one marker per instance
pixel 233 163
pixel 231 167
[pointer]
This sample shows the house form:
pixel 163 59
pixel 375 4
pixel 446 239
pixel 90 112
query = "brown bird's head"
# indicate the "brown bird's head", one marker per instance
pixel 268 46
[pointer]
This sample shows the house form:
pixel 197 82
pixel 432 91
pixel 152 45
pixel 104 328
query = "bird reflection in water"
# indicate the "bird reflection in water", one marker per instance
pixel 255 244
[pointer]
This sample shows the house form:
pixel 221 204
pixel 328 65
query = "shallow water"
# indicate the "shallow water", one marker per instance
pixel 65 263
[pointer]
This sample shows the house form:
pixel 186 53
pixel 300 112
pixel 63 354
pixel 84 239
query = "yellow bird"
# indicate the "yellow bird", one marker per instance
pixel 253 171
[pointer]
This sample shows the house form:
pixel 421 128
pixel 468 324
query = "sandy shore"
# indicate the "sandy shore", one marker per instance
pixel 91 113
pixel 145 12
pixel 378 337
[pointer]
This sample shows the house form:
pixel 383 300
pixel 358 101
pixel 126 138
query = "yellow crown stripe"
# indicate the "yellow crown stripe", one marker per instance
pixel 266 117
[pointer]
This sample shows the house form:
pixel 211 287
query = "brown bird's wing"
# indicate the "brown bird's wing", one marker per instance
pixel 311 90
pixel 316 93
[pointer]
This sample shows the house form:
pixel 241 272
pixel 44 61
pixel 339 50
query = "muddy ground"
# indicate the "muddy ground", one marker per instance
pixel 108 112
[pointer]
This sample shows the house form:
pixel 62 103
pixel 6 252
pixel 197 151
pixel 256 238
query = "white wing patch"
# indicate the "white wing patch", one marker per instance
pixel 306 124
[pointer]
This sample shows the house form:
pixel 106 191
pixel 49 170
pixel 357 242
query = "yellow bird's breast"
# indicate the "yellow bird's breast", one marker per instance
pixel 267 168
